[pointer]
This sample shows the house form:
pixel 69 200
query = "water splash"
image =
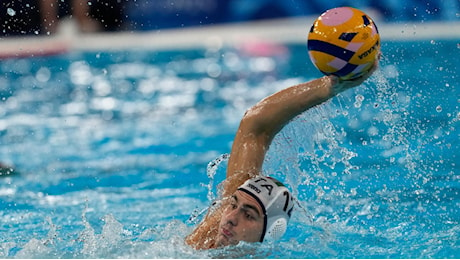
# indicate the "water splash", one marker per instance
pixel 211 171
pixel 39 248
pixel 214 189
pixel 331 165
pixel 101 245
pixel 374 170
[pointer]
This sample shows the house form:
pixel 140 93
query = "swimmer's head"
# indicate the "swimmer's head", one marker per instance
pixel 258 211
pixel 276 203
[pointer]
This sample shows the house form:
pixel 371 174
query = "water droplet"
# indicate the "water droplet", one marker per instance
pixel 11 12
pixel 358 101
pixel 353 192
pixel 438 109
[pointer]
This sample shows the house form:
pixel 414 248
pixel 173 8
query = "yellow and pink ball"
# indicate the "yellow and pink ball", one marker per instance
pixel 344 41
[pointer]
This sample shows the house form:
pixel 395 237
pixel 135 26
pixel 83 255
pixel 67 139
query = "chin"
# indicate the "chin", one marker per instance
pixel 223 241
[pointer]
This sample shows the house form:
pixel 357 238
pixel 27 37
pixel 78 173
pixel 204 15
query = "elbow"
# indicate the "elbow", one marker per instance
pixel 251 119
pixel 256 122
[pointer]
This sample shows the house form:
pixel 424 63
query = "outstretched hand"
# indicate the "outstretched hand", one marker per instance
pixel 342 85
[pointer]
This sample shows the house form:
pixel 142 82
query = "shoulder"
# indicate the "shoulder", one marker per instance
pixel 204 235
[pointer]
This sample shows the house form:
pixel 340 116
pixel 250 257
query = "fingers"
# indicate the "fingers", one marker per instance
pixel 342 85
pixel 366 75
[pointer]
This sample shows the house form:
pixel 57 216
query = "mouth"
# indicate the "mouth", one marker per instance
pixel 227 233
pixel 224 238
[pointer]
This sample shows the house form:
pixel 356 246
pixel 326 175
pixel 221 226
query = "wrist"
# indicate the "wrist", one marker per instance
pixel 332 83
pixel 339 85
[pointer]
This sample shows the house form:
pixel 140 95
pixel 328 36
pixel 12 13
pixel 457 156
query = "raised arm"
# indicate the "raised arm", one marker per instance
pixel 263 121
pixel 257 129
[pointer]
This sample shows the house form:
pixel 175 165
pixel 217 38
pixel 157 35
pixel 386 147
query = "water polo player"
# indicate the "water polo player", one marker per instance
pixel 255 208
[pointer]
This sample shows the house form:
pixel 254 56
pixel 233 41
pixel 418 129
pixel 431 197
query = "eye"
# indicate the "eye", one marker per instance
pixel 249 216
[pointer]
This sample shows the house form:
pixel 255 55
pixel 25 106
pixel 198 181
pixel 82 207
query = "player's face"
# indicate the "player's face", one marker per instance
pixel 242 220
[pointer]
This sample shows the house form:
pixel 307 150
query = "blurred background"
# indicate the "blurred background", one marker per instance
pixel 42 17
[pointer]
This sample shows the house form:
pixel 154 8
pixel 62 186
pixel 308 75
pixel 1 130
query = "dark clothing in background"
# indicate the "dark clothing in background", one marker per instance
pixel 109 13
pixel 22 17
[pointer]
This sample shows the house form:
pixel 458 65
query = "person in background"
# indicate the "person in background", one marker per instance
pixel 80 11
pixel 41 17
pixel 19 18
pixel 255 208
pixel 90 16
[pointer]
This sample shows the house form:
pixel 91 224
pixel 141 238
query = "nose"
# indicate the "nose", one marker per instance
pixel 232 217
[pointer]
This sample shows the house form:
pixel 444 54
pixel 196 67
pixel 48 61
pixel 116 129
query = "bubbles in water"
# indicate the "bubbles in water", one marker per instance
pixel 438 108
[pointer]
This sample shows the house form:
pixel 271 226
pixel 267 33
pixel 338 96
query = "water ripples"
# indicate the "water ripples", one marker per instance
pixel 112 151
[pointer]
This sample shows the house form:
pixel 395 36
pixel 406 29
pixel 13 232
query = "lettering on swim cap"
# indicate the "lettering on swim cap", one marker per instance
pixel 254 188
pixel 269 187
pixel 276 202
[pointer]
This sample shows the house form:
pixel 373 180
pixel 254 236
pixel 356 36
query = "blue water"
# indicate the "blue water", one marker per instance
pixel 112 150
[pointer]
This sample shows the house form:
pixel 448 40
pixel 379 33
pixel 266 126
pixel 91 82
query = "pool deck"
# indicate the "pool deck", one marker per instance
pixel 293 30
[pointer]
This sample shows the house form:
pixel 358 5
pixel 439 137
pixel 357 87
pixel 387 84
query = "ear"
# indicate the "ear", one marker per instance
pixel 276 230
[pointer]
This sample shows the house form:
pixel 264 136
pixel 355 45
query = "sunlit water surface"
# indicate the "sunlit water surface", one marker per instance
pixel 112 150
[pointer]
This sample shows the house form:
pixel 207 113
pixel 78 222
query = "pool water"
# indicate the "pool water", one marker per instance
pixel 117 153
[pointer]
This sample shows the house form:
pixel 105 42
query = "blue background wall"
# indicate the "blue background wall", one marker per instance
pixel 24 17
pixel 155 14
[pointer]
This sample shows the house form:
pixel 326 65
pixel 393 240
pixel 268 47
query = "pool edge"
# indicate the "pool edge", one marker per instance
pixel 292 30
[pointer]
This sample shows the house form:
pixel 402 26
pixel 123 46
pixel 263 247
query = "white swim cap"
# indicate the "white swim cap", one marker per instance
pixel 276 202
